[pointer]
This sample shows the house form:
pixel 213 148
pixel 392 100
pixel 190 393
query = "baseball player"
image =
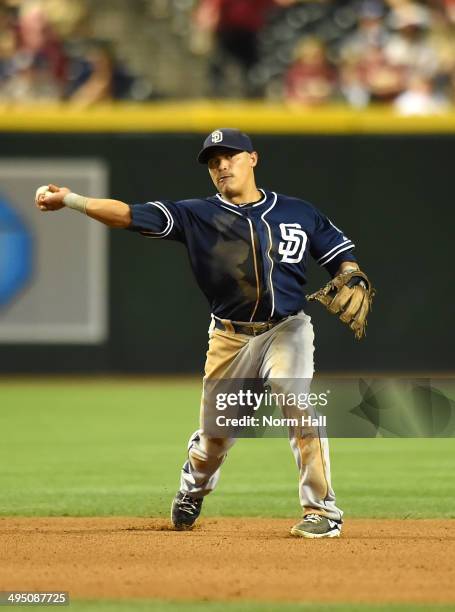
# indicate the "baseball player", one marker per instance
pixel 249 249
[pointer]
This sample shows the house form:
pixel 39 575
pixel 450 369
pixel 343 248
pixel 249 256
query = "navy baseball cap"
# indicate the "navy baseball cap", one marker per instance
pixel 226 138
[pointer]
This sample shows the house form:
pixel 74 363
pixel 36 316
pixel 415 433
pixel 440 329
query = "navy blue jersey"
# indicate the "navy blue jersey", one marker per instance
pixel 250 261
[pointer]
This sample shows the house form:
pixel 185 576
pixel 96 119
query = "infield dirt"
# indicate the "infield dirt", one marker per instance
pixel 229 559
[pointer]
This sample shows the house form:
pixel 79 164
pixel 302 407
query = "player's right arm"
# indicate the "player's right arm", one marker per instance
pixel 152 219
pixel 113 213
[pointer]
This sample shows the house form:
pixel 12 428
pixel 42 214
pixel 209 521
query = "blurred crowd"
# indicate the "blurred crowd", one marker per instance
pixel 307 53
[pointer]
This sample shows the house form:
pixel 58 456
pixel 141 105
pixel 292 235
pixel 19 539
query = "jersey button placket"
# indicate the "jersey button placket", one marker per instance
pixel 261 254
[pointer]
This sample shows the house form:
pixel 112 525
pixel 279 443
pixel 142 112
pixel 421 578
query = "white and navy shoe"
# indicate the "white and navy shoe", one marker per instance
pixel 317 526
pixel 185 510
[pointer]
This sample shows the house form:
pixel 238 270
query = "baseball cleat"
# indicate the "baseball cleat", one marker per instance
pixel 317 526
pixel 185 510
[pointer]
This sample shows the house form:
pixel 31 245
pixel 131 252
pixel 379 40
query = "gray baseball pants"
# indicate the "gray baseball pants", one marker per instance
pixel 283 359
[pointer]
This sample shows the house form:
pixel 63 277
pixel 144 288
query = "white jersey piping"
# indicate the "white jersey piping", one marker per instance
pixel 346 248
pixel 255 269
pixel 170 222
pixel 331 250
pixel 239 206
pixel 230 210
pixel 275 197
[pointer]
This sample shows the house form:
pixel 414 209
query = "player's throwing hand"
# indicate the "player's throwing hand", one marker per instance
pixel 50 197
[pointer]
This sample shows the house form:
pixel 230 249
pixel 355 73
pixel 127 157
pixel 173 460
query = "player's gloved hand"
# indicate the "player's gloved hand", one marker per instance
pixel 350 295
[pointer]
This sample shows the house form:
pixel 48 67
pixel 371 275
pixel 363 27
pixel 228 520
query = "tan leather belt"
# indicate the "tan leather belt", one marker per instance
pixel 250 329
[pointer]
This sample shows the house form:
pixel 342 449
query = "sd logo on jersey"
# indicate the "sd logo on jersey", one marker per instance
pixel 294 242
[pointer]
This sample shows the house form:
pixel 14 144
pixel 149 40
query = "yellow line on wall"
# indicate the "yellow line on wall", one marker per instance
pixel 202 117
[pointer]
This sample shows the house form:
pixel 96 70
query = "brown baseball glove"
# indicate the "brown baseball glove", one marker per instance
pixel 350 295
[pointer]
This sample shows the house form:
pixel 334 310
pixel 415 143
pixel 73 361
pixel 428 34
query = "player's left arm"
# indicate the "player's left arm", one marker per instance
pixel 349 294
pixel 347 266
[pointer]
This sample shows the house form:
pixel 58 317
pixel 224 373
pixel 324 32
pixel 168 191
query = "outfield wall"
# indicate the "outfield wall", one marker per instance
pixel 389 189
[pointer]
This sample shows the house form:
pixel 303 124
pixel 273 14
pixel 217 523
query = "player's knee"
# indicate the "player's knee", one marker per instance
pixel 216 447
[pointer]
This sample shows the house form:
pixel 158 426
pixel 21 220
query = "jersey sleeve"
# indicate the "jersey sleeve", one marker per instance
pixel 329 246
pixel 159 219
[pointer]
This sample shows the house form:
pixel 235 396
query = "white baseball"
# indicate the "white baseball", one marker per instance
pixel 43 190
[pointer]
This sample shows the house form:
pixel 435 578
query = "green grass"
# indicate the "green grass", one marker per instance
pixel 116 448
pixel 161 606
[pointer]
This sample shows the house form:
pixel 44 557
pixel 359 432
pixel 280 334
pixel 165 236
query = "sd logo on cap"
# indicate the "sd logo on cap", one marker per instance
pixel 228 138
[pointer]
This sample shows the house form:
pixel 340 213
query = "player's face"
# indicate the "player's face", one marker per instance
pixel 232 172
